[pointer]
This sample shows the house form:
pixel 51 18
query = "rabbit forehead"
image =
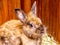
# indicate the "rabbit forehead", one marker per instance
pixel 34 19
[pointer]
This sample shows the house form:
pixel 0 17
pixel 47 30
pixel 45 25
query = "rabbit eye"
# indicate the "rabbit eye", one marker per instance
pixel 31 25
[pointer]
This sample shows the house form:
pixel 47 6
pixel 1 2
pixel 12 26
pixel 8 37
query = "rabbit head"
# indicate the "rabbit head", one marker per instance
pixel 32 25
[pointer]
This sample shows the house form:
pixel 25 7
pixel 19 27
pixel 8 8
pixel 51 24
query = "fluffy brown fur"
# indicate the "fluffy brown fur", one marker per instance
pixel 28 30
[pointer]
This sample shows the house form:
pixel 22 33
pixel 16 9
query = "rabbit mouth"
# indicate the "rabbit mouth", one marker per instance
pixel 33 35
pixel 40 29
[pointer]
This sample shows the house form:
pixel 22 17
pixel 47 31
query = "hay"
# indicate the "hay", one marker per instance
pixel 47 40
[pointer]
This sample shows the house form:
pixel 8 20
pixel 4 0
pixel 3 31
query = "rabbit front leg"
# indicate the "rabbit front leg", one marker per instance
pixel 9 37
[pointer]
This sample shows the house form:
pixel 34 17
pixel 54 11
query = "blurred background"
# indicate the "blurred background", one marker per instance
pixel 47 10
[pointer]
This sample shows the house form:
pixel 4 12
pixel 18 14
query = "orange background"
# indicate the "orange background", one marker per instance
pixel 47 10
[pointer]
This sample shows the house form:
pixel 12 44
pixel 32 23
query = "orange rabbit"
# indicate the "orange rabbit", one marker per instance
pixel 28 30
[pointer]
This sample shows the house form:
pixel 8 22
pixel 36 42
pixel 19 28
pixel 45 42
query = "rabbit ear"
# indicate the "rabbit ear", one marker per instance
pixel 21 15
pixel 34 8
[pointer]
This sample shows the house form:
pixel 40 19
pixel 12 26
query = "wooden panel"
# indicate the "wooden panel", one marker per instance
pixel 7 9
pixel 4 10
pixel 58 31
pixel 1 12
pixel 26 5
pixel 12 4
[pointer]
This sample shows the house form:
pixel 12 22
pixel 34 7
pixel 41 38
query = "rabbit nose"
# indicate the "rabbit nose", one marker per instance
pixel 41 28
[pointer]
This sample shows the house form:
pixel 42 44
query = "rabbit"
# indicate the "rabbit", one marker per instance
pixel 28 30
